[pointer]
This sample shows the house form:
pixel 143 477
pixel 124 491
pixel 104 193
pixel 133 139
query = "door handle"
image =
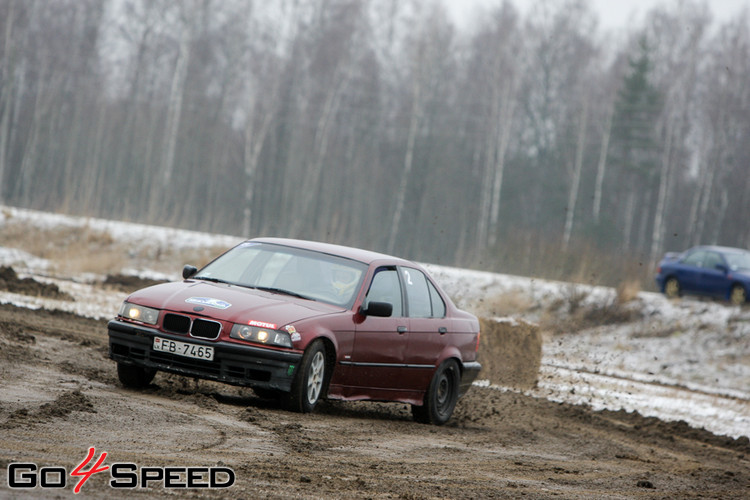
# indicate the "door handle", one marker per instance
pixel 442 330
pixel 401 329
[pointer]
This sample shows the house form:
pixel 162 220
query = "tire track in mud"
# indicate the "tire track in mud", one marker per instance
pixel 725 394
pixel 722 414
pixel 499 444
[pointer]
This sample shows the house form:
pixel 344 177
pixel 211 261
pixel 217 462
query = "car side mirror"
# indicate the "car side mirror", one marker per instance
pixel 721 267
pixel 189 271
pixel 378 309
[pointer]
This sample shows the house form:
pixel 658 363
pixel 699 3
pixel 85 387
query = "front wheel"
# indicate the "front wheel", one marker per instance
pixel 738 295
pixel 441 396
pixel 310 381
pixel 672 288
pixel 135 377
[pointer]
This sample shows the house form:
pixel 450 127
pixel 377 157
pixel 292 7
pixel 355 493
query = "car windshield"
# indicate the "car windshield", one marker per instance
pixel 738 261
pixel 288 270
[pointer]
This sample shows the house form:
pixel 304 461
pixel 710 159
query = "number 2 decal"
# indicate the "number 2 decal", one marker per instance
pixel 408 277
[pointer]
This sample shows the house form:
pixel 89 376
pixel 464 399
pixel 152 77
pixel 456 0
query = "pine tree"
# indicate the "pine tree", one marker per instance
pixel 635 146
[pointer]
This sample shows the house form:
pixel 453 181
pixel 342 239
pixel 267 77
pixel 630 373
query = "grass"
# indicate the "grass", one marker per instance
pixel 75 250
pixel 509 303
pixel 582 262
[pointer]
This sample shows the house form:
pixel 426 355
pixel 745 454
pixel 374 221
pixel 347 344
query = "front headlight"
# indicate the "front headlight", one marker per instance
pixel 139 313
pixel 261 335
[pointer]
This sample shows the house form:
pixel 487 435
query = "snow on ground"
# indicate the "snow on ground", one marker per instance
pixel 678 360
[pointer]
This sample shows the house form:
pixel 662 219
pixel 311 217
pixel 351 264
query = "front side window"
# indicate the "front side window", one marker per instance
pixel 712 260
pixel 385 287
pixel 695 259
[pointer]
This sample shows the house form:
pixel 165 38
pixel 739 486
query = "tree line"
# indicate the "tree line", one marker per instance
pixel 529 139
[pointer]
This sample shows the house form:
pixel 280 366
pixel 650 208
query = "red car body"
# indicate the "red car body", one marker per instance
pixel 369 354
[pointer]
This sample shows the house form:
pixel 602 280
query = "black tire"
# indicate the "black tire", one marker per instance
pixel 672 288
pixel 441 396
pixel 311 380
pixel 135 377
pixel 738 295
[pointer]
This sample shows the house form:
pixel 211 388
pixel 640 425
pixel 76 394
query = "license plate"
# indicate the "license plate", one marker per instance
pixel 184 349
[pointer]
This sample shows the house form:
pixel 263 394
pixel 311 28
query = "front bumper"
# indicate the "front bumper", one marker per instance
pixel 234 364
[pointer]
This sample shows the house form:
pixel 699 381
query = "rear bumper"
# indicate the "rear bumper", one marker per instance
pixel 232 364
pixel 470 371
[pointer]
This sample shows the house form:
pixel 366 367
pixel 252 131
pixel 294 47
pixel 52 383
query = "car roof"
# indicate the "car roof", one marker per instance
pixel 365 256
pixel 717 248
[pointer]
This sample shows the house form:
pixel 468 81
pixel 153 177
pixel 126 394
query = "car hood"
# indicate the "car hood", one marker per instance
pixel 230 303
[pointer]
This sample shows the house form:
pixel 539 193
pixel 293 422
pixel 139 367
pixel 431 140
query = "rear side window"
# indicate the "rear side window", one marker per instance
pixel 424 300
pixel 438 306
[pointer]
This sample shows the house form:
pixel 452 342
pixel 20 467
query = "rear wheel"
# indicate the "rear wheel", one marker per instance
pixel 672 288
pixel 441 396
pixel 135 377
pixel 738 295
pixel 310 381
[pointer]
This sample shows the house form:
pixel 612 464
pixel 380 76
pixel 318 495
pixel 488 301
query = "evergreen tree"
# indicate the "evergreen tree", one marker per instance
pixel 634 151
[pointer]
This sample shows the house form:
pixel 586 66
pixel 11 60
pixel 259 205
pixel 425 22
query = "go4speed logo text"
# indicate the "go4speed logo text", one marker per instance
pixel 27 475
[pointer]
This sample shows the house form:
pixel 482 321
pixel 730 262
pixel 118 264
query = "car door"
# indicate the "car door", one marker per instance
pixel 714 280
pixel 377 358
pixel 429 329
pixel 690 271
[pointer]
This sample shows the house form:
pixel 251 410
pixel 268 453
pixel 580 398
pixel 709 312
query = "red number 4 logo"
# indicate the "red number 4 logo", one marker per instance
pixel 85 475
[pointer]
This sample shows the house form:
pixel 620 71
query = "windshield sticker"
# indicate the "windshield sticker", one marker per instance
pixel 209 302
pixel 262 324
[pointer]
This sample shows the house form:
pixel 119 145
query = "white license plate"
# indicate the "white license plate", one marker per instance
pixel 184 348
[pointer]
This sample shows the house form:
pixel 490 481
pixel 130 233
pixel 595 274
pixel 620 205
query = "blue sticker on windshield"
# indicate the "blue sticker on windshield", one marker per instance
pixel 209 302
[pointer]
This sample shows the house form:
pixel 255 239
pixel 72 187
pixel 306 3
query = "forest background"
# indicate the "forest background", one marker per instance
pixel 532 143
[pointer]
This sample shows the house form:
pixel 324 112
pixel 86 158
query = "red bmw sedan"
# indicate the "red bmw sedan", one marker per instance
pixel 302 321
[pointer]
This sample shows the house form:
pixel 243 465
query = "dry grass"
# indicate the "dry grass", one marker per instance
pixel 509 303
pixel 539 255
pixel 627 290
pixel 74 250
pixel 579 315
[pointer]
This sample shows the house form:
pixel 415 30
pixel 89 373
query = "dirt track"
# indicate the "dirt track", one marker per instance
pixel 60 396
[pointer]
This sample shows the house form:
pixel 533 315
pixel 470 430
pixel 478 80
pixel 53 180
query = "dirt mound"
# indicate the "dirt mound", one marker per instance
pixel 65 404
pixel 129 284
pixel 510 352
pixel 10 281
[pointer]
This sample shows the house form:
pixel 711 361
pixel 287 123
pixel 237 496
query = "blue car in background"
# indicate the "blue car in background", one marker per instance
pixel 712 271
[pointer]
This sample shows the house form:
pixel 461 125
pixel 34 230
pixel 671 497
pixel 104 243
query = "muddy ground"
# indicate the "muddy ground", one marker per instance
pixel 59 396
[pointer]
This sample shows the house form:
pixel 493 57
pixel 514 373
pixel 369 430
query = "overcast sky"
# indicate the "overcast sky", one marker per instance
pixel 612 14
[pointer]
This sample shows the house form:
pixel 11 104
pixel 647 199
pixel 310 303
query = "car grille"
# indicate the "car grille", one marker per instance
pixel 202 328
pixel 176 323
pixel 205 329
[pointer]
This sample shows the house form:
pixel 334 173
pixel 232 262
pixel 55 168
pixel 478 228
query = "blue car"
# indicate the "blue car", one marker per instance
pixel 712 271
